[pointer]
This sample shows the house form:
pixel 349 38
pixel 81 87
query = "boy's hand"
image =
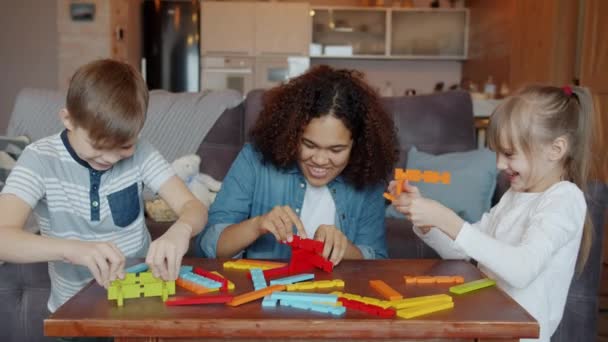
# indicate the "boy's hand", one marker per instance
pixel 105 261
pixel 279 221
pixel 335 242
pixel 166 253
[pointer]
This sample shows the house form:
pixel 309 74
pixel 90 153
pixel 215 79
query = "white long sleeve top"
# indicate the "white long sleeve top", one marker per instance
pixel 529 244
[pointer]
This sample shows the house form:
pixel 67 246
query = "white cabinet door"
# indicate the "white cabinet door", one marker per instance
pixel 227 28
pixel 282 29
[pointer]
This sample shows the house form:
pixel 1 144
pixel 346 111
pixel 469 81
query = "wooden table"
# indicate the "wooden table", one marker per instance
pixel 487 314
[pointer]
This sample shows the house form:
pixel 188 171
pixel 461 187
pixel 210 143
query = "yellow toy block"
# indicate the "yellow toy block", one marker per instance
pixel 319 284
pixel 425 309
pixel 231 286
pixel 134 285
pixel 367 300
pixel 416 301
pixel 385 290
pixel 410 280
pixel 472 286
pixel 247 264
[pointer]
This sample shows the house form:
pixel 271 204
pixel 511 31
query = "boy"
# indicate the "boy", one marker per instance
pixel 85 187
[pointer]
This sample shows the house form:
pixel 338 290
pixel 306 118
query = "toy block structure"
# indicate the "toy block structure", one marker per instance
pixel 385 290
pixel 143 267
pixel 411 280
pixel 472 286
pixel 199 284
pixel 135 285
pixel 305 256
pixel 219 299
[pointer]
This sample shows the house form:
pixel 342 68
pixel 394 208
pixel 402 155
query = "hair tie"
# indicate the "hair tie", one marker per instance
pixel 567 90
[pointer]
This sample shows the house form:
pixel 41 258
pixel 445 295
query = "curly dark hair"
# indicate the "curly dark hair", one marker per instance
pixel 289 108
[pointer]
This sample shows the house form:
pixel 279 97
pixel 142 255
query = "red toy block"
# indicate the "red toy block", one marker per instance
pixel 274 272
pixel 307 244
pixel 199 300
pixel 367 308
pixel 212 276
pixel 300 261
pixel 321 262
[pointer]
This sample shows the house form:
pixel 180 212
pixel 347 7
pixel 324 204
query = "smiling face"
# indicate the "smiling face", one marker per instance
pixel 324 150
pixel 532 172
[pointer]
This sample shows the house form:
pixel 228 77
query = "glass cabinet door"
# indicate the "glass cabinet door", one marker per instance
pixel 348 32
pixel 429 33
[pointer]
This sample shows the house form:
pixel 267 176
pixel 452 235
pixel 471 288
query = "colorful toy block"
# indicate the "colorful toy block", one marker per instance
pixel 367 308
pixel 422 176
pixel 304 297
pixel 247 264
pixel 385 290
pixel 204 281
pixel 251 296
pixel 334 310
pixel 417 301
pixel 292 279
pixel 175 301
pixel 433 279
pixel 366 300
pixel 137 268
pixel 194 287
pixel 428 308
pixel 307 244
pixel 472 286
pixel 320 284
pixel 137 284
pixel 215 277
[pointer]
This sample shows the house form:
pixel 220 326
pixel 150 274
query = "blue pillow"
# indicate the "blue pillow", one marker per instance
pixel 473 180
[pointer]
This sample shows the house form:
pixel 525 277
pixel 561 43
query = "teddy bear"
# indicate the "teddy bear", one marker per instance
pixel 203 186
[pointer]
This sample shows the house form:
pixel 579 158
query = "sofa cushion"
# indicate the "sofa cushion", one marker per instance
pixel 473 180
pixel 436 123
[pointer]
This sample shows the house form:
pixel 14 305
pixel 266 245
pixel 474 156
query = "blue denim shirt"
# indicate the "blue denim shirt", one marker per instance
pixel 253 187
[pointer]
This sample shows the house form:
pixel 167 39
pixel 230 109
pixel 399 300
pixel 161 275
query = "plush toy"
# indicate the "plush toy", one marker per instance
pixel 203 186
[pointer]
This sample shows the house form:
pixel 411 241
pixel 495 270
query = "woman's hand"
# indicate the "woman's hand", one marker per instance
pixel 335 242
pixel 279 222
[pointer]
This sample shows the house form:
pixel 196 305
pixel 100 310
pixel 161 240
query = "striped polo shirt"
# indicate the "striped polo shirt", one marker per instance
pixel 71 200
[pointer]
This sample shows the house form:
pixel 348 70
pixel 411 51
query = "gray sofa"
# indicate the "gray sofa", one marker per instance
pixel 436 124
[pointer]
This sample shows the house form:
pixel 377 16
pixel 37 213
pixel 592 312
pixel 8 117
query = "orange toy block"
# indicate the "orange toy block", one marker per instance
pixel 427 176
pixel 433 280
pixel 385 290
pixel 193 287
pixel 251 296
pixel 388 196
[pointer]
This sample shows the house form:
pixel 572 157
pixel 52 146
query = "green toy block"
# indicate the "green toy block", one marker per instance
pixel 472 286
pixel 136 285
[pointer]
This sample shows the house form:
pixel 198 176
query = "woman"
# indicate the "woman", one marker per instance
pixel 321 150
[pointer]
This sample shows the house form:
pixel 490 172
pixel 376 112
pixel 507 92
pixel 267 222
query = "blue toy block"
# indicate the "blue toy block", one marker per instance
pixel 257 277
pixel 304 297
pixel 334 310
pixel 293 279
pixel 200 280
pixel 143 267
pixel 185 269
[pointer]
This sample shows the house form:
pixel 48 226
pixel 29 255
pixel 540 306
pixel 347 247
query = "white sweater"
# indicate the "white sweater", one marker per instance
pixel 529 244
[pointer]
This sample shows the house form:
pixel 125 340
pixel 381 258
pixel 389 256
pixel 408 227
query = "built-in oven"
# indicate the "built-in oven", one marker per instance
pixel 225 72
pixel 271 71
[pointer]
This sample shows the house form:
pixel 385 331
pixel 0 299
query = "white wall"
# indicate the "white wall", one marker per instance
pixel 403 74
pixel 28 50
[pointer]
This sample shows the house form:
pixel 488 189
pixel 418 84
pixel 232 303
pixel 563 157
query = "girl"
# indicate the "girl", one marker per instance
pixel 530 240
pixel 321 150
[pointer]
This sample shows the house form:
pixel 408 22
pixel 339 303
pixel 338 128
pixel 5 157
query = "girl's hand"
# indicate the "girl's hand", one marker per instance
pixel 103 259
pixel 279 221
pixel 335 242
pixel 166 253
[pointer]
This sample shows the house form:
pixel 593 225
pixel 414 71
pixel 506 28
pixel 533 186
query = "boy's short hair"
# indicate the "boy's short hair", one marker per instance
pixel 109 100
